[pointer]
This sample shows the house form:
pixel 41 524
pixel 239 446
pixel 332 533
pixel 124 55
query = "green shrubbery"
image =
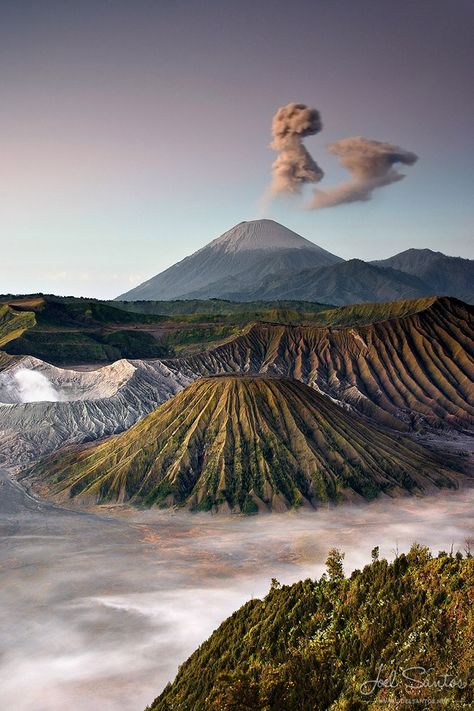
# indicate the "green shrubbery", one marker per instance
pixel 321 645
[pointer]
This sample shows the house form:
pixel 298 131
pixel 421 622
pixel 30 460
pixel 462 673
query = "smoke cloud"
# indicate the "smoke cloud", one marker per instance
pixel 294 166
pixel 34 387
pixel 371 165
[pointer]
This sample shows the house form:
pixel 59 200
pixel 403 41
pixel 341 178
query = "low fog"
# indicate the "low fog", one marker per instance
pixel 97 613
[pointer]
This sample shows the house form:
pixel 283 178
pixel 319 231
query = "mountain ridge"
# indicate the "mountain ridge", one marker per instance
pixel 262 259
pixel 352 281
pixel 405 371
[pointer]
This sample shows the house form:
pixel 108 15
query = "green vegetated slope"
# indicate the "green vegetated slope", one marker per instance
pixel 407 370
pixel 72 331
pixel 196 309
pixel 278 311
pixel 13 323
pixel 69 330
pixel 315 645
pixel 245 443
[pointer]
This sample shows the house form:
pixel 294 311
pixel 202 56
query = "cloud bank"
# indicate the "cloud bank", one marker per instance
pixel 97 613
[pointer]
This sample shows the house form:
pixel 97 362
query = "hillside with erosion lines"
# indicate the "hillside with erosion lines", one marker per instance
pixel 408 365
pixel 244 444
pixel 408 371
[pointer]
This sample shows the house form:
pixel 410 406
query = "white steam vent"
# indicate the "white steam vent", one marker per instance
pixel 33 386
pixel 33 380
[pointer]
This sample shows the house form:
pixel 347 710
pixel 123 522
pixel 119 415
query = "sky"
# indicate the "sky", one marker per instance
pixel 133 133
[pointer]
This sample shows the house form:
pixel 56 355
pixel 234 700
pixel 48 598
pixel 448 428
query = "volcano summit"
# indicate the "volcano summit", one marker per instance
pixel 246 253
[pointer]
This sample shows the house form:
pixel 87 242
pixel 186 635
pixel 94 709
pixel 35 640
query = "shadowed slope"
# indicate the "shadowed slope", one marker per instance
pixel 443 274
pixel 413 369
pixel 342 283
pixel 245 444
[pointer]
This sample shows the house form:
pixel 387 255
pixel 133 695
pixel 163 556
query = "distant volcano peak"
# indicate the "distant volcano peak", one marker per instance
pixel 239 259
pixel 261 234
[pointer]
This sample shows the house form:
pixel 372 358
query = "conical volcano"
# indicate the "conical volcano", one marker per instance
pixel 247 253
pixel 244 444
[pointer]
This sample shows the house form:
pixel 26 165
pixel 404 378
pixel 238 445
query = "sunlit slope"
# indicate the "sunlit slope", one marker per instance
pixel 13 323
pixel 245 443
pixel 318 644
pixel 415 368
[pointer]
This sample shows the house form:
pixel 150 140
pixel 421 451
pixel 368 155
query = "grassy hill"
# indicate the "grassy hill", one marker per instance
pixel 315 645
pixel 244 444
pixel 13 323
pixel 65 331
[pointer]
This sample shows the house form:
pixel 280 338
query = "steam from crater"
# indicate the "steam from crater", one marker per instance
pixel 371 165
pixel 32 386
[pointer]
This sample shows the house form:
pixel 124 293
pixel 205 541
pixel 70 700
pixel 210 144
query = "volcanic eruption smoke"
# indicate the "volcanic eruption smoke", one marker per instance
pixel 369 162
pixel 371 165
pixel 294 166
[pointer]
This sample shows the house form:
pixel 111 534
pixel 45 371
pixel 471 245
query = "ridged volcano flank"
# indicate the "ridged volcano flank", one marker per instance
pixel 244 443
pixel 413 366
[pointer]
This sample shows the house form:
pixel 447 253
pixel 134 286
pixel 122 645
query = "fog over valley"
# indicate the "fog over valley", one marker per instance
pixel 98 612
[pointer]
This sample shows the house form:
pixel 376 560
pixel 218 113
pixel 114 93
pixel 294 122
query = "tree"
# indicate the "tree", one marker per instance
pixel 276 585
pixel 375 553
pixel 334 564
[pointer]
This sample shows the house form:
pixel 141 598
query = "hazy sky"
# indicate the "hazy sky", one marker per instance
pixel 132 133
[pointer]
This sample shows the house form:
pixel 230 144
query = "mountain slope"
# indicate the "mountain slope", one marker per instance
pixel 90 405
pixel 415 369
pixel 315 645
pixel 348 282
pixel 247 252
pixel 13 323
pixel 440 273
pixel 244 443
pixel 406 364
pixel 67 330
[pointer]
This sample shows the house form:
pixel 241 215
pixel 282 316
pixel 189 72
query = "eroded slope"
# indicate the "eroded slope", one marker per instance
pixel 244 443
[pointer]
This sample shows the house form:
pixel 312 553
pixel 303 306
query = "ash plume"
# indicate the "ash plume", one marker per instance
pixel 294 166
pixel 371 165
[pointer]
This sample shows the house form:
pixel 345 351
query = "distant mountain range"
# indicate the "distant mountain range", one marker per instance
pixel 263 260
pixel 445 275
